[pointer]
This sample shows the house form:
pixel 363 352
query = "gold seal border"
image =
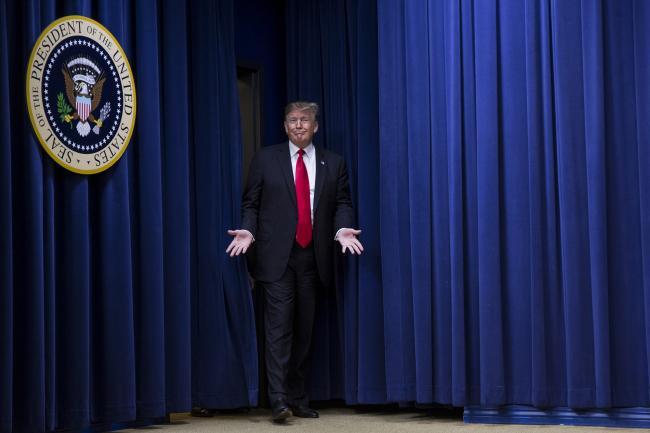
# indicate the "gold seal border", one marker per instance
pixel 28 93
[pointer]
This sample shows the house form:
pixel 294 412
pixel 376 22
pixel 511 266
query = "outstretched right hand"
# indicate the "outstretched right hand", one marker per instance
pixel 242 240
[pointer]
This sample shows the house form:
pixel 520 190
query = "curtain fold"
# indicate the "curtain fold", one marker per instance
pixel 640 26
pixel 223 332
pixel 6 235
pixel 99 273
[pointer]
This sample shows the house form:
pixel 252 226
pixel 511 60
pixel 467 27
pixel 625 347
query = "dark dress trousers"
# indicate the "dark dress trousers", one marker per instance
pixel 290 274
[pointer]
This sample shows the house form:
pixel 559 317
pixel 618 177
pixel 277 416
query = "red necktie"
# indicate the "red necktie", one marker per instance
pixel 303 230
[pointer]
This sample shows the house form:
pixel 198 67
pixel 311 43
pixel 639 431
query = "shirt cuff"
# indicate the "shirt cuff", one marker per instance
pixel 336 236
pixel 244 230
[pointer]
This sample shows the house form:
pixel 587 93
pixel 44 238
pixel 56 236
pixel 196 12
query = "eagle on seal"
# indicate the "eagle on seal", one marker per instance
pixel 84 83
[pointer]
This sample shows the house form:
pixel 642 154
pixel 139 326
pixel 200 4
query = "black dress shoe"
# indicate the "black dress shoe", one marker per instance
pixel 202 412
pixel 280 410
pixel 304 412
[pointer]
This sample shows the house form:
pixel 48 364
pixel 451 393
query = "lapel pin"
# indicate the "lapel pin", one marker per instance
pixel 322 162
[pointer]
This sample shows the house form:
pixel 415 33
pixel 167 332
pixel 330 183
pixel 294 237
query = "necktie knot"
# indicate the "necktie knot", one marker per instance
pixel 301 152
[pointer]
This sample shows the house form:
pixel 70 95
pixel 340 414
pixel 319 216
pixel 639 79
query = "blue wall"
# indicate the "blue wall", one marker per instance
pixel 260 41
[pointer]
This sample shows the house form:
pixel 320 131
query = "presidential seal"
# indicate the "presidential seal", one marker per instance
pixel 80 95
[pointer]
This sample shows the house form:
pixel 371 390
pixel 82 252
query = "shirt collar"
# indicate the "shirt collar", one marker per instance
pixel 309 150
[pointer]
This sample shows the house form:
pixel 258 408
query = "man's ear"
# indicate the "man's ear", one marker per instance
pixel 316 128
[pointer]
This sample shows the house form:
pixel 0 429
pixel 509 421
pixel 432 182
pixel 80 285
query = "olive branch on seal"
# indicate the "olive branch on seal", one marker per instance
pixel 63 108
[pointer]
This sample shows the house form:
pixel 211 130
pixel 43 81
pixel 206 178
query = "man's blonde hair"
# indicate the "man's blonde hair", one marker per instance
pixel 310 107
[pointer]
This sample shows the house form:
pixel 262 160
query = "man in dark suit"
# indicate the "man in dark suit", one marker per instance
pixel 296 206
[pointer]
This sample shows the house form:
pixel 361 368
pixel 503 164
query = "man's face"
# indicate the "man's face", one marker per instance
pixel 300 127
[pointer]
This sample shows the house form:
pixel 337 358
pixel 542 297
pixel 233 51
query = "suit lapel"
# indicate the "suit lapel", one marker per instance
pixel 321 174
pixel 284 162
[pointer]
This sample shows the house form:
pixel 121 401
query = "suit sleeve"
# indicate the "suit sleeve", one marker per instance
pixel 344 214
pixel 251 198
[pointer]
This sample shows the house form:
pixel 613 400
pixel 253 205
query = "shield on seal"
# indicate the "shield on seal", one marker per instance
pixel 83 107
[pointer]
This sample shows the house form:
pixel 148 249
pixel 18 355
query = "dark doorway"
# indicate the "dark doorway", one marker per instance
pixel 248 85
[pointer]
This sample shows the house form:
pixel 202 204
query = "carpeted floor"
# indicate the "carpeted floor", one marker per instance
pixel 348 420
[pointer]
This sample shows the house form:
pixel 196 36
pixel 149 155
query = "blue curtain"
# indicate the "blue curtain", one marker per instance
pixel 504 199
pixel 117 301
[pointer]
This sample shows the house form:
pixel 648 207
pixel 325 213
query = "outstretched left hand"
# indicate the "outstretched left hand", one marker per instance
pixel 242 239
pixel 348 240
